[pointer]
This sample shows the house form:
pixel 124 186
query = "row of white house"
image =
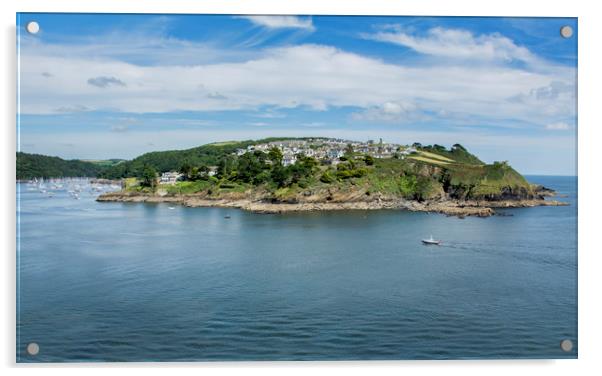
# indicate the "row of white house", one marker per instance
pixel 329 150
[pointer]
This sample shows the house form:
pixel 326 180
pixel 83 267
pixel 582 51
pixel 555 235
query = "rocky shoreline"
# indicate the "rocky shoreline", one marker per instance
pixel 447 207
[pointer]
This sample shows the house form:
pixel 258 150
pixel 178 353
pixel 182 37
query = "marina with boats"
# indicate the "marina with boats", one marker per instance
pixel 75 188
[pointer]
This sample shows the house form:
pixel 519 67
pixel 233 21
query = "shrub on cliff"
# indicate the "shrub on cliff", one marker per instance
pixel 328 177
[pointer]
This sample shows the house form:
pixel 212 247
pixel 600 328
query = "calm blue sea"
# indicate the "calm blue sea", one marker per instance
pixel 146 282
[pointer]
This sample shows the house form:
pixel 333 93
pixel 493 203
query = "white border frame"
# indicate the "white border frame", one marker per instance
pixel 590 28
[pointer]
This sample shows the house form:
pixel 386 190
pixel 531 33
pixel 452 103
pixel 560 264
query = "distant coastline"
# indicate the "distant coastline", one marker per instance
pixel 276 175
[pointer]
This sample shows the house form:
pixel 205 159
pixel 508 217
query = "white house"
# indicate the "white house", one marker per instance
pixel 335 153
pixel 212 171
pixel 289 159
pixel 170 177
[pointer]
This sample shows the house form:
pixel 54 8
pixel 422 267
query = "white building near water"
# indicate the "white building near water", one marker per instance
pixel 212 171
pixel 170 177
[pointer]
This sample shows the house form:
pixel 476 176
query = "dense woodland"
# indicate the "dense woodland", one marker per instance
pixel 31 166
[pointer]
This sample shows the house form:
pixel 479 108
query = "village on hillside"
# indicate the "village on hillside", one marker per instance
pixel 327 150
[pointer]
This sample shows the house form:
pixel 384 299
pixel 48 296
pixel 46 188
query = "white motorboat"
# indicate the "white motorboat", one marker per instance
pixel 431 241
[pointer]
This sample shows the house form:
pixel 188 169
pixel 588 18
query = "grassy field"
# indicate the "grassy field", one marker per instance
pixel 435 156
pixel 430 160
pixel 213 186
pixel 104 162
pixel 457 155
pixel 187 187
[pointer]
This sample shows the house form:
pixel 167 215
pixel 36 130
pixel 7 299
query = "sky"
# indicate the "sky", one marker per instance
pixel 99 86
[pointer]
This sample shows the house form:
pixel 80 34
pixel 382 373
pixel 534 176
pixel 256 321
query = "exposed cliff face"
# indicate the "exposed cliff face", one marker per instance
pixel 497 182
pixel 541 191
pixel 509 193
pixel 426 170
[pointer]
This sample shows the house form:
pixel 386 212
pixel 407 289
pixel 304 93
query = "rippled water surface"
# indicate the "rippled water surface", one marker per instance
pixel 144 282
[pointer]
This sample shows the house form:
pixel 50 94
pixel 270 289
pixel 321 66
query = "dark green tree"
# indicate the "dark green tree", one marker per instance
pixel 275 155
pixel 203 172
pixel 149 177
pixel 349 149
pixel 185 168
pixel 250 165
pixel 225 167
pixel 458 147
pixel 281 175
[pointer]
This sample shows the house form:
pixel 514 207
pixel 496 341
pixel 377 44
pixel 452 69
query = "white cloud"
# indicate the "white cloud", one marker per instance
pixel 119 128
pixel 71 109
pixel 146 47
pixel 279 22
pixel 270 114
pixel 556 100
pixel 560 126
pixel 457 43
pixel 389 111
pixel 313 124
pixel 103 82
pixel 311 76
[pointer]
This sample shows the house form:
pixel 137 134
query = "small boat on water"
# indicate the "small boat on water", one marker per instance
pixel 431 241
pixel 227 216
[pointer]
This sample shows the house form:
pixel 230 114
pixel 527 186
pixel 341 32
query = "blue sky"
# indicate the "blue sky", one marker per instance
pixel 116 86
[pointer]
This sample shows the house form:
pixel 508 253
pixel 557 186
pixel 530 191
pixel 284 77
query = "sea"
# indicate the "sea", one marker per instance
pixel 132 282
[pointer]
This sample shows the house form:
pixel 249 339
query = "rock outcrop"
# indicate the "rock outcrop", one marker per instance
pixel 254 203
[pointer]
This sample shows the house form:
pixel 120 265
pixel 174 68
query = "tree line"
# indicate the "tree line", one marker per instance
pixel 31 166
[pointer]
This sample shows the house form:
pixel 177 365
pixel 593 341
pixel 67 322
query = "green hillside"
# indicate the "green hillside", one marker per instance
pixel 431 172
pixel 426 173
pixel 31 166
pixel 171 160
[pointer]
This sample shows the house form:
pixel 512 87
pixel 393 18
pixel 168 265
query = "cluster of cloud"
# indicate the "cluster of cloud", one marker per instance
pixel 103 82
pixel 282 22
pixel 457 43
pixel 119 128
pixel 560 126
pixel 313 77
pixel 389 111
